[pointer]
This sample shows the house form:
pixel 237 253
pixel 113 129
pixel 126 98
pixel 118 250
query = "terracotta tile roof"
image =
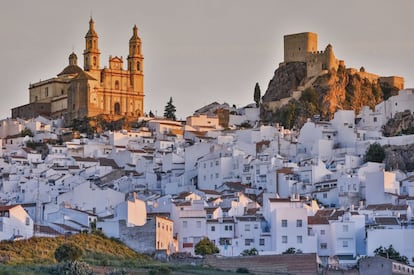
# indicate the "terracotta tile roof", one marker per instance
pixel 279 199
pixel 183 195
pixel 6 207
pixel 183 203
pixel 324 212
pixel 210 210
pixel 384 206
pixel 386 220
pixel 236 185
pixel 317 220
pixel 285 170
pixel 108 162
pixel 48 230
pixel 210 192
pixel 336 214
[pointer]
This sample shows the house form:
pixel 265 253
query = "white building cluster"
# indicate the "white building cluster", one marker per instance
pixel 167 185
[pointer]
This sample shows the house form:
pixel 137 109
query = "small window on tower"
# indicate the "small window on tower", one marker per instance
pixel 116 85
pixel 94 60
pixel 138 66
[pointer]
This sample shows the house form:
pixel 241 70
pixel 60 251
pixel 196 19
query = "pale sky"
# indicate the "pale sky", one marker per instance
pixel 197 51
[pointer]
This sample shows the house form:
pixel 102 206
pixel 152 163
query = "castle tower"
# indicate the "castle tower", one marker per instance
pixel 136 63
pixel 91 53
pixel 298 46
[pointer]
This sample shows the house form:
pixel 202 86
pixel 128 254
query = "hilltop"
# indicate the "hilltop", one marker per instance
pixel 312 83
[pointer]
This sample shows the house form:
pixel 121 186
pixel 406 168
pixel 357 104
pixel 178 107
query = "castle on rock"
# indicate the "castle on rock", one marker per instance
pixel 76 93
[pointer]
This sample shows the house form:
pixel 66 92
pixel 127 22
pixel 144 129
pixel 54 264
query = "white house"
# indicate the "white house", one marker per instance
pixel 288 220
pixel 15 223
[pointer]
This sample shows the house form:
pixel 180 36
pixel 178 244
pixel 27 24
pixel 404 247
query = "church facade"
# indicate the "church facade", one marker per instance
pixel 75 93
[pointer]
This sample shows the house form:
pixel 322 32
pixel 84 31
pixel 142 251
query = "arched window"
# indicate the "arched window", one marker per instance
pixel 94 60
pixel 117 108
pixel 116 85
pixel 138 66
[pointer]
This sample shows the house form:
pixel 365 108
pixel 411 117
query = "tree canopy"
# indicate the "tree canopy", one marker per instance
pixel 68 252
pixel 169 110
pixel 375 153
pixel 391 253
pixel 205 247
pixel 257 94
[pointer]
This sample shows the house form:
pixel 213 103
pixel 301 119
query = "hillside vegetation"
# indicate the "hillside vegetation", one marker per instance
pixel 96 248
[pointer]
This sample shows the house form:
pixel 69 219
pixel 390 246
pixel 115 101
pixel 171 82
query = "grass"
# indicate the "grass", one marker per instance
pixel 96 247
pixel 36 256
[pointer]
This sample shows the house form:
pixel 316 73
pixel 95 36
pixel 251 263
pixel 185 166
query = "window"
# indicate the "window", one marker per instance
pixel 284 223
pixel 247 227
pixel 217 175
pixel 198 224
pixel 256 226
pixel 284 239
pixel 247 242
pixel 116 85
pixel 27 221
pixel 213 228
pixel 117 108
pixel 344 243
pixel 94 60
pixel 299 239
pixel 217 162
pixel 324 246
pixel 228 228
pixel 46 91
pixel 261 241
pixel 205 165
pixel 325 195
pixel 345 228
pixel 138 66
pixel 298 223
pixel 185 224
pixel 322 232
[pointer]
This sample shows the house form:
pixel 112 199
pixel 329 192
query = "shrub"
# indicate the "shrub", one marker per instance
pixel 206 247
pixel 73 268
pixel 68 252
pixel 242 270
pixel 375 153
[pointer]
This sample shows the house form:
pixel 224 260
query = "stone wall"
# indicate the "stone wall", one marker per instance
pixel 139 238
pixel 304 264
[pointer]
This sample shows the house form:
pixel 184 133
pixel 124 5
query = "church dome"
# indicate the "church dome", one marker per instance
pixel 73 67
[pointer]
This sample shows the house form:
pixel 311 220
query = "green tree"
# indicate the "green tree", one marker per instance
pixel 26 132
pixel 250 252
pixel 292 250
pixel 391 253
pixel 68 252
pixel 206 247
pixel 375 153
pixel 257 94
pixel 169 110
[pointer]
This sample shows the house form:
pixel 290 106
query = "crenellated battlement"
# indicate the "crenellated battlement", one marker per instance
pixel 303 47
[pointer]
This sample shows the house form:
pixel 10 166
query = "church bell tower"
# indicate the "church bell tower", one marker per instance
pixel 136 63
pixel 91 53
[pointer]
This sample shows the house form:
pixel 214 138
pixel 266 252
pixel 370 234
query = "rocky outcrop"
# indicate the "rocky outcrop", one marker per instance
pixel 401 123
pixel 335 89
pixel 399 157
pixel 285 80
